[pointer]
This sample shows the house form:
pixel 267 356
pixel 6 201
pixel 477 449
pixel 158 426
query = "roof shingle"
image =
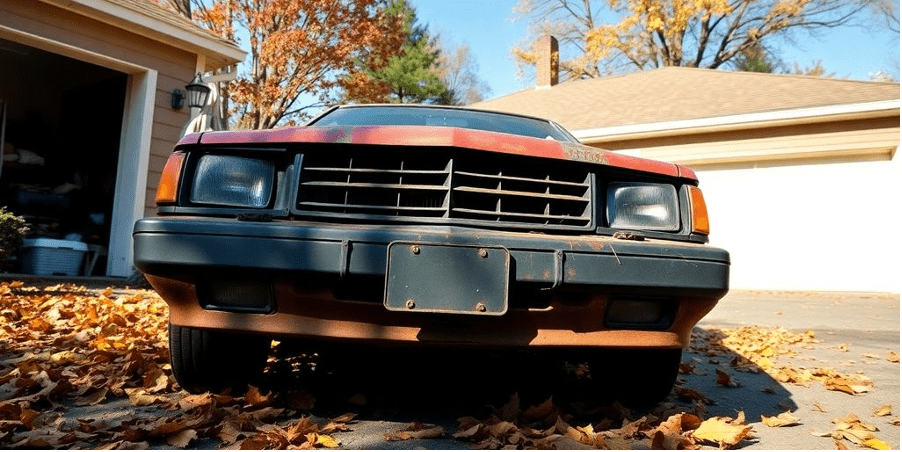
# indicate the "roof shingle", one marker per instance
pixel 677 93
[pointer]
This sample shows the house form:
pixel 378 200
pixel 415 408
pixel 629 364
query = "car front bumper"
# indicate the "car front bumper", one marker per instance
pixel 177 254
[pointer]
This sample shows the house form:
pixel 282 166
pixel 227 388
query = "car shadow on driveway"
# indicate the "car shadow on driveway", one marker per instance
pixel 441 385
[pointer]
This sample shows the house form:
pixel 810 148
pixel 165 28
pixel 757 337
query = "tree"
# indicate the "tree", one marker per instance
pixel 816 69
pixel 412 74
pixel 458 70
pixel 755 59
pixel 654 33
pixel 888 11
pixel 398 71
pixel 299 50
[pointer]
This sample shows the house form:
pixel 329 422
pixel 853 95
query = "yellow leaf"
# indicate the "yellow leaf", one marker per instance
pixel 323 440
pixel 719 430
pixel 783 420
pixel 877 444
pixel 885 410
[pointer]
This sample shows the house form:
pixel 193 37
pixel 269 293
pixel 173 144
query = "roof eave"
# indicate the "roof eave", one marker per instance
pixel 845 112
pixel 219 53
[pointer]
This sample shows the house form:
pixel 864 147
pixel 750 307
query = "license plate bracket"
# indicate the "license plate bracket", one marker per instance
pixel 455 279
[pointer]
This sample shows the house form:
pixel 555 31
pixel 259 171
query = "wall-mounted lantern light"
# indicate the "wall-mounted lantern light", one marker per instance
pixel 178 99
pixel 197 92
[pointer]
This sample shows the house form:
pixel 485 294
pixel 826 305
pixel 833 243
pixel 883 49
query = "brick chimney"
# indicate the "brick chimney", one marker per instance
pixel 547 62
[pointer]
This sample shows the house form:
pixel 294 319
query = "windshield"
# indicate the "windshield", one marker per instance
pixel 443 117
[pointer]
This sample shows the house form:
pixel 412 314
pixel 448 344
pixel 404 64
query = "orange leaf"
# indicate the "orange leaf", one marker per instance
pixel 255 398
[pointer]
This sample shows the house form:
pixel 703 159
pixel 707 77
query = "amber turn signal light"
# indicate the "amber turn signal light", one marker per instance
pixel 167 191
pixel 699 212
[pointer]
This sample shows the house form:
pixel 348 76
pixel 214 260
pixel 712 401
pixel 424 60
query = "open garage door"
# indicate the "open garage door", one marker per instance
pixel 62 130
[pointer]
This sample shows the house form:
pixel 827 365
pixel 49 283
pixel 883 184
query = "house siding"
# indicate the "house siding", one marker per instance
pixel 174 66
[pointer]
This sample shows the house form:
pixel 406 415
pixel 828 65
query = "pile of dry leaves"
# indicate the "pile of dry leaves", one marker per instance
pixel 66 350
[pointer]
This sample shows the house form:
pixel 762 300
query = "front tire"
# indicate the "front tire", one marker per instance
pixel 206 360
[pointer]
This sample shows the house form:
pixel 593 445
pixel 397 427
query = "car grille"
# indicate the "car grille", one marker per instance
pixel 437 187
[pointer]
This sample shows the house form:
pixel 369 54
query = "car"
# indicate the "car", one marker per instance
pixel 428 226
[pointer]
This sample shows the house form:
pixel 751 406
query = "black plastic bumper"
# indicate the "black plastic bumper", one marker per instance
pixel 187 245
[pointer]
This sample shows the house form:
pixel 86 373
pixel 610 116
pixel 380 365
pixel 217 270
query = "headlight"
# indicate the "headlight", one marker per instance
pixel 650 207
pixel 232 181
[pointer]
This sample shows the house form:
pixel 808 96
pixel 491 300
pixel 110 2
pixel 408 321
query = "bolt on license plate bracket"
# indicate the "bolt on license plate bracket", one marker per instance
pixel 456 279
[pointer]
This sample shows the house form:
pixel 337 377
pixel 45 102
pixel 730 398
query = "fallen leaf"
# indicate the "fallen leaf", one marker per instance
pixel 847 386
pixel 345 418
pixel 92 398
pixel 722 431
pixel 257 399
pixel 192 401
pixel 893 357
pixel 416 431
pixel 782 420
pixel 322 440
pixel 885 410
pixel 876 444
pixel 181 439
pixel 724 379
pixel 126 445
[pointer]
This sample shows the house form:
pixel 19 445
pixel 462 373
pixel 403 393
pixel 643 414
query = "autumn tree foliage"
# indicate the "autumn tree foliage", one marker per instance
pixel 300 51
pixel 646 34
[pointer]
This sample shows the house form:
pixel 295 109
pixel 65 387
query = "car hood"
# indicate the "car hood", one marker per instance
pixel 431 136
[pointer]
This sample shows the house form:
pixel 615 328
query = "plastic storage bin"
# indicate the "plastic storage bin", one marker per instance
pixel 52 257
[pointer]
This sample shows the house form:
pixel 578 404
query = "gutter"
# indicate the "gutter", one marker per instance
pixel 778 118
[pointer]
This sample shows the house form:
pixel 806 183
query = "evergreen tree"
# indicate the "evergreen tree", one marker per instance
pixel 409 75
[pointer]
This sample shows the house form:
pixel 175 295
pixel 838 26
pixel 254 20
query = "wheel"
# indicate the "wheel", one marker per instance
pixel 204 360
pixel 635 378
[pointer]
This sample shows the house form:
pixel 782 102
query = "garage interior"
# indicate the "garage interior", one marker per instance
pixel 60 124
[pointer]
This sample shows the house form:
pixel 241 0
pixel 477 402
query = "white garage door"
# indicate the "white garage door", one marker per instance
pixel 813 226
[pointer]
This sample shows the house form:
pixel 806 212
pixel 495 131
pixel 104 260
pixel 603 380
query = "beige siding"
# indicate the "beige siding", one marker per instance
pixel 175 67
pixel 860 138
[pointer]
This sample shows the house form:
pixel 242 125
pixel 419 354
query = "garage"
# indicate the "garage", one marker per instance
pixel 801 175
pixel 87 120
pixel 60 148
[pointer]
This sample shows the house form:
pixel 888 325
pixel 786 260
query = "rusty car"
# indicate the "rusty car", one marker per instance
pixel 427 226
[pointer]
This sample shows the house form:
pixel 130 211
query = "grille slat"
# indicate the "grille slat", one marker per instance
pixel 366 185
pixel 499 192
pixel 523 179
pixel 521 215
pixel 446 188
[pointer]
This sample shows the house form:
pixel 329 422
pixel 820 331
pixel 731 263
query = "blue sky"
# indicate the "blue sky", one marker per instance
pixel 487 26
